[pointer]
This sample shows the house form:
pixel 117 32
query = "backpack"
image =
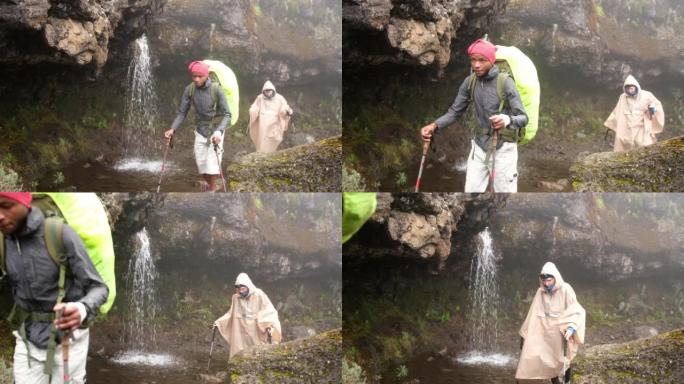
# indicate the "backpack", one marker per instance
pixel 513 63
pixel 222 79
pixel 86 215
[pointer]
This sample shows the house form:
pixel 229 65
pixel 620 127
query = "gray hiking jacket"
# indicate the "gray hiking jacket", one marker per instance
pixel 34 276
pixel 204 106
pixel 486 105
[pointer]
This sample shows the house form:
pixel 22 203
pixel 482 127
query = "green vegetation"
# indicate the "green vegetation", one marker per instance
pixel 388 329
pixel 352 373
pixel 6 373
pixel 9 180
pixel 402 371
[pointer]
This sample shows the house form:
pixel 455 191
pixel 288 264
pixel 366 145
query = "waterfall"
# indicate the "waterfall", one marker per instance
pixel 140 329
pixel 211 39
pixel 484 294
pixel 484 303
pixel 141 114
pixel 142 307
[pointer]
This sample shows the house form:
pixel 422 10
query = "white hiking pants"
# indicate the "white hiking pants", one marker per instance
pixel 205 156
pixel 78 354
pixel 506 169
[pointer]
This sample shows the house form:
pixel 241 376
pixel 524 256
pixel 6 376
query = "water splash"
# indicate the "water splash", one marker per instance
pixel 149 359
pixel 460 166
pixel 141 111
pixel 484 295
pixel 140 165
pixel 140 325
pixel 477 358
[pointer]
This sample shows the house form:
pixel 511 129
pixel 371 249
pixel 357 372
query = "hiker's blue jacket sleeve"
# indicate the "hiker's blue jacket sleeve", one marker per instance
pixel 183 109
pixel 83 274
pixel 516 110
pixel 457 108
pixel 222 109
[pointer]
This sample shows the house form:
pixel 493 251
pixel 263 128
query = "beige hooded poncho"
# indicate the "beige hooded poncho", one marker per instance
pixel 631 120
pixel 248 318
pixel 268 119
pixel 549 316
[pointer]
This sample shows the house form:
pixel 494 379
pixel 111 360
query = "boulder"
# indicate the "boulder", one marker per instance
pixel 315 167
pixel 316 359
pixel 75 32
pixel 657 359
pixel 418 32
pixel 656 168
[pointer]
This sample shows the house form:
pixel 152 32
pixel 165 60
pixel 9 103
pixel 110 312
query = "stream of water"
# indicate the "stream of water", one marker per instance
pixel 140 325
pixel 141 110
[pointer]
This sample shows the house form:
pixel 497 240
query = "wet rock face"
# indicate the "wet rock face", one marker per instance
pixel 656 168
pixel 413 32
pixel 656 359
pixel 287 42
pixel 614 236
pixel 278 236
pixel 414 226
pixel 67 32
pixel 604 40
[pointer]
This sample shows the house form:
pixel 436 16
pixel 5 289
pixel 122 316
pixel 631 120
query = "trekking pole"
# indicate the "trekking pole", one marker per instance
pixel 426 147
pixel 565 360
pixel 211 348
pixel 161 174
pixel 223 179
pixel 65 352
pixel 492 174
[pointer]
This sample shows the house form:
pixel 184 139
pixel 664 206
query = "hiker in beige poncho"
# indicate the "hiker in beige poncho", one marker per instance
pixel 268 119
pixel 555 320
pixel 251 319
pixel 636 119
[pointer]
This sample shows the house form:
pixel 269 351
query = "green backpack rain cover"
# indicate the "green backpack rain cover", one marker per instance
pixel 357 207
pixel 86 215
pixel 513 61
pixel 229 85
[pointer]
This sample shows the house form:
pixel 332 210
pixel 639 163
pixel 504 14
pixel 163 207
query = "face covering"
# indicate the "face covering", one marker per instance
pixel 549 288
pixel 244 294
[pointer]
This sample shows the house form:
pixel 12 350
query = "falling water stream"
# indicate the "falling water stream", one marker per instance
pixel 141 113
pixel 484 299
pixel 140 329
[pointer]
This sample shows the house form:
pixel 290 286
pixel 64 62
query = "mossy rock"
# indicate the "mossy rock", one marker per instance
pixel 315 167
pixel 656 168
pixel 316 359
pixel 658 359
